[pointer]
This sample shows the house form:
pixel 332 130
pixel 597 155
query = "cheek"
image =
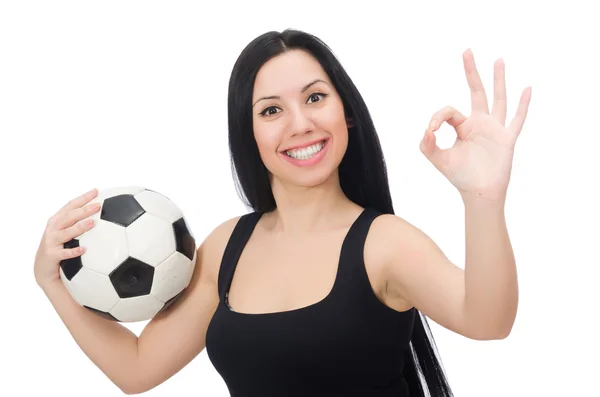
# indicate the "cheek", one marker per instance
pixel 334 120
pixel 267 141
pixel 339 132
pixel 335 124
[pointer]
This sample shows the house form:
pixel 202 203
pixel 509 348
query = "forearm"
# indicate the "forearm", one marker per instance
pixel 490 269
pixel 111 346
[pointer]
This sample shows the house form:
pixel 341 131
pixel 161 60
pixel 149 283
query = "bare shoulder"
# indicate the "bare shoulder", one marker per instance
pixel 397 247
pixel 417 272
pixel 392 232
pixel 388 236
pixel 210 252
pixel 202 289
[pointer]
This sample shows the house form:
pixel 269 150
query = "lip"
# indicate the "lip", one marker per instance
pixel 305 144
pixel 316 159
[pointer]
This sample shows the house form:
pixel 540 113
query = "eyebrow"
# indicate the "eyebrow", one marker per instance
pixel 306 87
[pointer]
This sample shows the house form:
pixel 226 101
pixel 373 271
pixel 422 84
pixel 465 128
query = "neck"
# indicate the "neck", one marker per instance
pixel 302 210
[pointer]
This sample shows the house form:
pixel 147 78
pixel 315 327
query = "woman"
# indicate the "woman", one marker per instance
pixel 318 290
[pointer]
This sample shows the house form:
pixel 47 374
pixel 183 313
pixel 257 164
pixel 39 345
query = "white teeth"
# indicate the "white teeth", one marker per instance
pixel 307 152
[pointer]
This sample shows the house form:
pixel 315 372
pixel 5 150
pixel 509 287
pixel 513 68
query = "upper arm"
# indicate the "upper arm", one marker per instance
pixel 417 271
pixel 176 336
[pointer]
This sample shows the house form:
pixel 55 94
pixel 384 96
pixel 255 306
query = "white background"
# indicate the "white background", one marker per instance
pixel 102 94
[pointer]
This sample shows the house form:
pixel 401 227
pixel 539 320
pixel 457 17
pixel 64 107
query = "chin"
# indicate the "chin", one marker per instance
pixel 311 179
pixel 308 177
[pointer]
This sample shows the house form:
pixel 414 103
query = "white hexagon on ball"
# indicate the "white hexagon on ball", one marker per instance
pixel 138 308
pixel 172 276
pixel 150 239
pixel 91 289
pixel 106 247
pixel 159 205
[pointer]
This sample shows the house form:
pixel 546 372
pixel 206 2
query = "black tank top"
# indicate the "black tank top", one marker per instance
pixel 348 344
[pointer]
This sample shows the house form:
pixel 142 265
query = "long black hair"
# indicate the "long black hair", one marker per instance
pixel 362 171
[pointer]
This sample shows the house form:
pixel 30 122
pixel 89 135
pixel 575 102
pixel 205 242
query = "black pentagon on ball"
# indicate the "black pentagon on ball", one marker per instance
pixel 71 266
pixel 132 278
pixel 105 315
pixel 123 210
pixel 183 239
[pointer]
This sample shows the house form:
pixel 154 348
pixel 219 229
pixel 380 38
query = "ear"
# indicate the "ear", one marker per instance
pixel 349 122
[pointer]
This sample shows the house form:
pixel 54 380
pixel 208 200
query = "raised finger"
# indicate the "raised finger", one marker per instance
pixel 478 98
pixel 74 231
pixel 68 253
pixel 516 124
pixel 79 201
pixel 75 215
pixel 499 106
pixel 449 115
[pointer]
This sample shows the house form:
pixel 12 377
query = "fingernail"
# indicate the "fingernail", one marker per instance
pixel 432 125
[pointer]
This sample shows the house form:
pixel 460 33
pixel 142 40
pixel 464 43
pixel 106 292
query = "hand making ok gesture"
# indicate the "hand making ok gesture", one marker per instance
pixel 479 164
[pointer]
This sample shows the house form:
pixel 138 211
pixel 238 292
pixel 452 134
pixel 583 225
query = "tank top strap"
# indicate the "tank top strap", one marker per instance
pixel 233 250
pixel 352 272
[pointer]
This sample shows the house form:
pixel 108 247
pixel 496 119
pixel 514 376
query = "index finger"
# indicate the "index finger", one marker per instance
pixel 78 202
pixel 479 101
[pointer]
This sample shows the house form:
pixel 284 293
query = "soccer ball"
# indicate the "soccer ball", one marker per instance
pixel 140 256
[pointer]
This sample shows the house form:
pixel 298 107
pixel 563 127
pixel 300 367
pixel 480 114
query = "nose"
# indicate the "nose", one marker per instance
pixel 301 121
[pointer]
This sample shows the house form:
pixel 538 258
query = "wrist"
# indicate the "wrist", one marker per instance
pixel 483 201
pixel 49 285
pixel 486 212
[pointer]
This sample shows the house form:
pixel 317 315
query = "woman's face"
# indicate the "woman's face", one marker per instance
pixel 298 118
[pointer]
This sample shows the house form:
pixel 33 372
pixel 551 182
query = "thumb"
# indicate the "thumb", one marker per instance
pixel 431 151
pixel 428 146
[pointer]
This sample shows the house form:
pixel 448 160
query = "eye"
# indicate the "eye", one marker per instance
pixel 269 111
pixel 317 96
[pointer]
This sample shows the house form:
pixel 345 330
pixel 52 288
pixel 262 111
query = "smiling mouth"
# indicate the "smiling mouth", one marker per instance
pixel 307 152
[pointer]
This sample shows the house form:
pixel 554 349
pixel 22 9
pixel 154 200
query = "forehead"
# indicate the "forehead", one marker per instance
pixel 287 73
